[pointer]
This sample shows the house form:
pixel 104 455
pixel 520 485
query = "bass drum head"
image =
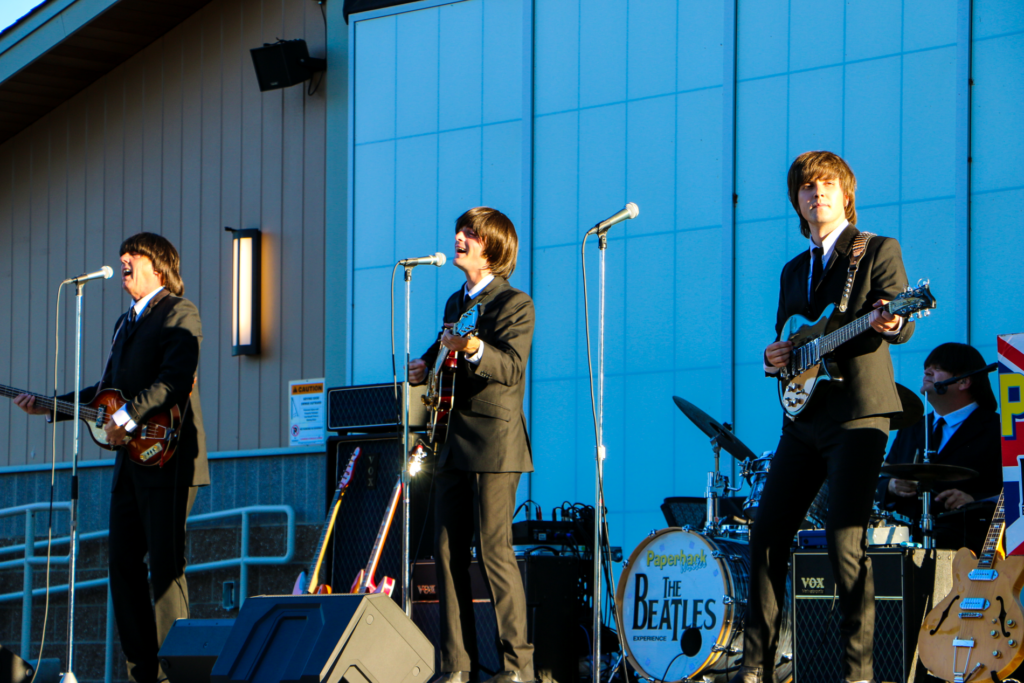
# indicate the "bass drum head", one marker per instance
pixel 677 603
pixel 681 603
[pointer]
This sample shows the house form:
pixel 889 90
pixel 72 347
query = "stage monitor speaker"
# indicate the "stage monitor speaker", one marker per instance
pixel 363 507
pixel 13 669
pixel 908 582
pixel 324 639
pixel 191 648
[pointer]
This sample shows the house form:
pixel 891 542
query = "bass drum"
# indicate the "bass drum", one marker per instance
pixel 681 603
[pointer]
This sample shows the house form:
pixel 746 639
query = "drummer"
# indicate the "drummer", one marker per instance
pixel 964 431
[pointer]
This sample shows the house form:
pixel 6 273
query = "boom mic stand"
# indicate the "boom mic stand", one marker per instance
pixel 406 476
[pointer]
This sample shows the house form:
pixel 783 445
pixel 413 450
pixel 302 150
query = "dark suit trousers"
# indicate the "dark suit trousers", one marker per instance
pixel 484 501
pixel 813 449
pixel 147 520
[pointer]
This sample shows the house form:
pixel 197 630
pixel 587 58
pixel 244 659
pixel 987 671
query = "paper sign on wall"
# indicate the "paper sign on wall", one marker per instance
pixel 307 412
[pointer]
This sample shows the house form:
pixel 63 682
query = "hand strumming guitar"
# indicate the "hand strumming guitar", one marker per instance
pixel 417 371
pixel 116 436
pixel 777 354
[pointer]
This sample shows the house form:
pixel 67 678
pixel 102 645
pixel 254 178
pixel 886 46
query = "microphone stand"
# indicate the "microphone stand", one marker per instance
pixel 69 676
pixel 406 576
pixel 599 511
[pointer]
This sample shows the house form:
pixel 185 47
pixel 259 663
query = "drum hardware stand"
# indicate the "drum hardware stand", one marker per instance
pixel 927 520
pixel 716 481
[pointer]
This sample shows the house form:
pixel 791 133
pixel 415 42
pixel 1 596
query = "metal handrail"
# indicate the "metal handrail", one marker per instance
pixel 30 559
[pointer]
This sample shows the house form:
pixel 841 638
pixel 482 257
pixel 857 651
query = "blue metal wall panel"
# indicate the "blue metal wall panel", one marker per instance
pixel 628 105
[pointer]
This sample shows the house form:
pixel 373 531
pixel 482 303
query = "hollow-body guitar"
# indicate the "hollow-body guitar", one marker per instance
pixel 152 443
pixel 440 394
pixel 975 633
pixel 811 364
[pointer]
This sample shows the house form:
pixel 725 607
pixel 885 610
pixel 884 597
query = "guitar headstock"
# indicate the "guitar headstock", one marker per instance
pixel 467 323
pixel 346 477
pixel 915 301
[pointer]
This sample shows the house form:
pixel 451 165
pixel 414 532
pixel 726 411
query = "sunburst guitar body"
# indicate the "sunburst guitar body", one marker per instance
pixel 975 633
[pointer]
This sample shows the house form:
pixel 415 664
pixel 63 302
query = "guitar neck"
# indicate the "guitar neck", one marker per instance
pixel 63 407
pixel 318 559
pixel 378 545
pixel 833 340
pixel 995 533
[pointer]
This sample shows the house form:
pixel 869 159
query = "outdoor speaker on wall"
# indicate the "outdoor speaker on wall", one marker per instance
pixel 284 63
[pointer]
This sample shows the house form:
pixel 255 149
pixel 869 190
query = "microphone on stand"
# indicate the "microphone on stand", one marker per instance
pixel 940 387
pixel 437 259
pixel 106 272
pixel 630 211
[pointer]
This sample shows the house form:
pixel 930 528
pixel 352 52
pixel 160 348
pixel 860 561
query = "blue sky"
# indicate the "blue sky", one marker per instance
pixel 12 10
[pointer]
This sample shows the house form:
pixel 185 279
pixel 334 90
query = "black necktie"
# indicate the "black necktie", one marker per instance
pixel 936 439
pixel 816 268
pixel 131 319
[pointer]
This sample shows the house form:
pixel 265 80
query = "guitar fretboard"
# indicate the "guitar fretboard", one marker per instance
pixel 995 532
pixel 63 407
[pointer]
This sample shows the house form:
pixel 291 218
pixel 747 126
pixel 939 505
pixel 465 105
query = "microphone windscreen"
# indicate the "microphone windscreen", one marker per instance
pixel 441 259
pixel 633 210
pixel 108 272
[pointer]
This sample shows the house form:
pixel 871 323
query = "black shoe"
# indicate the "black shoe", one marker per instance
pixel 509 677
pixel 748 674
pixel 453 677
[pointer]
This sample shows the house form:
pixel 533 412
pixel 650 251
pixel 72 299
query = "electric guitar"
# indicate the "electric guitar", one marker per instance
pixel 810 363
pixel 310 586
pixel 364 579
pixel 152 443
pixel 440 394
pixel 975 633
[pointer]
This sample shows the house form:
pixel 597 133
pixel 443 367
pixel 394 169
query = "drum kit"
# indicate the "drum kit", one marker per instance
pixel 682 595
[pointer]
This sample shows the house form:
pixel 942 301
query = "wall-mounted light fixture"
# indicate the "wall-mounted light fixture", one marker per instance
pixel 245 292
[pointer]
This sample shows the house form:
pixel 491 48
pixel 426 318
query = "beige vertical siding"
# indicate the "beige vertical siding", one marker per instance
pixel 180 141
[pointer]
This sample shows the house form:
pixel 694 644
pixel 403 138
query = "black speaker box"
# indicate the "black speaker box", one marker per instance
pixel 284 63
pixel 324 639
pixel 191 648
pixel 552 585
pixel 363 507
pixel 13 669
pixel 373 408
pixel 908 582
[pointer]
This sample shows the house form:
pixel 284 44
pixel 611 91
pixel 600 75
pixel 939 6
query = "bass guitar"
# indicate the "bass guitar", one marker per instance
pixel 975 633
pixel 811 364
pixel 304 586
pixel 440 394
pixel 152 443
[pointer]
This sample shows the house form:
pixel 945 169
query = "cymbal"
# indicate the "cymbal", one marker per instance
pixel 707 424
pixel 929 471
pixel 913 409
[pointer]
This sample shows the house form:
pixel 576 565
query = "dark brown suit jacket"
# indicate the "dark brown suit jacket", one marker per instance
pixel 868 387
pixel 487 428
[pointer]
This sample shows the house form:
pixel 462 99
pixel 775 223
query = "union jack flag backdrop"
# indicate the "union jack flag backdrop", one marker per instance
pixel 1011 412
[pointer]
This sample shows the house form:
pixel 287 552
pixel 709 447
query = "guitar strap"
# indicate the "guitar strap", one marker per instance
pixel 860 245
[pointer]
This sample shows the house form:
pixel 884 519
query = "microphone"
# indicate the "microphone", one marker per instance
pixel 631 211
pixel 940 387
pixel 105 272
pixel 437 259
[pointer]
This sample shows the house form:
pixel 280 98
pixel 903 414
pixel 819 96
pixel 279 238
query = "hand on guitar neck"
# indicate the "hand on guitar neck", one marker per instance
pixel 116 435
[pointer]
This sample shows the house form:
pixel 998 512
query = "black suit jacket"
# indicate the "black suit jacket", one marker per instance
pixel 154 365
pixel 487 427
pixel 976 444
pixel 868 387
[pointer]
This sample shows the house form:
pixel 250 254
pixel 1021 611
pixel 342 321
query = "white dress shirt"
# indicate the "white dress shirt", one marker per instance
pixel 121 418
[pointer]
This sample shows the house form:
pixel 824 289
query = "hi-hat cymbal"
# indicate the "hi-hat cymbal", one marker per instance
pixel 929 471
pixel 707 424
pixel 913 409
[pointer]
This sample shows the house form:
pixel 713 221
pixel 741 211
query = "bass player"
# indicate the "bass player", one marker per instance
pixel 840 437
pixel 154 357
pixel 486 450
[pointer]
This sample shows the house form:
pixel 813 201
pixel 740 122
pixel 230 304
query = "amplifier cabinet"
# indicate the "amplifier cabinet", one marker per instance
pixel 908 582
pixel 373 408
pixel 553 599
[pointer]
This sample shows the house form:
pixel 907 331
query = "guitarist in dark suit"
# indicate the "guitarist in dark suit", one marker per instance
pixel 840 437
pixel 486 451
pixel 153 360
pixel 968 436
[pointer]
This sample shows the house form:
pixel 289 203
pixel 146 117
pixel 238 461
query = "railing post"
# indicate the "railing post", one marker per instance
pixel 243 581
pixel 108 664
pixel 26 586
